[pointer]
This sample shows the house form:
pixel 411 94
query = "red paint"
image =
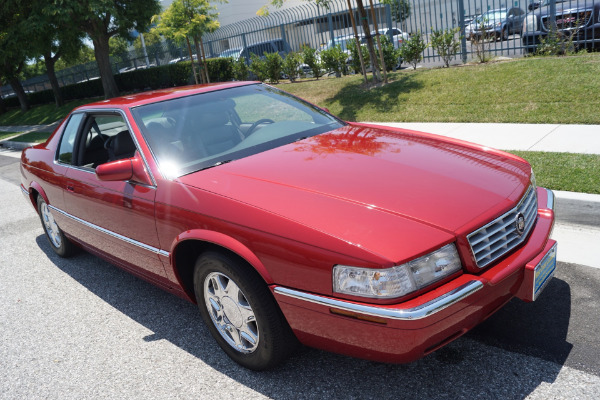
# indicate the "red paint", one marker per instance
pixel 359 195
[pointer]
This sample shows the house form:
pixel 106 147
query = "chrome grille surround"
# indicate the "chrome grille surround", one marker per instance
pixel 500 236
pixel 569 19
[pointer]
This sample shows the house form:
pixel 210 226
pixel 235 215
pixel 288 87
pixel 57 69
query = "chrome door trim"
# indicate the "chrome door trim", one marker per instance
pixel 113 234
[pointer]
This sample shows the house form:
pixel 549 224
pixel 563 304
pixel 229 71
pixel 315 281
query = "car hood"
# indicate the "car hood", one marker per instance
pixel 364 185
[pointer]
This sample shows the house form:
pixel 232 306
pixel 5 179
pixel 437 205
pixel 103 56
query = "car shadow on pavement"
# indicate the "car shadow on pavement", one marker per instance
pixel 466 368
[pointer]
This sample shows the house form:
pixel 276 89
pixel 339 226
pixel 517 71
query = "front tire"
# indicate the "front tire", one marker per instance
pixel 59 243
pixel 241 313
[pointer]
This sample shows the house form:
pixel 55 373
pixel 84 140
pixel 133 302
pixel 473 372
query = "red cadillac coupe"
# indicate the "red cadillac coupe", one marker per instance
pixel 287 225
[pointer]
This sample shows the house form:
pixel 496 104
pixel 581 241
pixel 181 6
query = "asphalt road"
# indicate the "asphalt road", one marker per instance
pixel 82 328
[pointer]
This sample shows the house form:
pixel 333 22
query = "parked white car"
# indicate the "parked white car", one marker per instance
pixel 398 37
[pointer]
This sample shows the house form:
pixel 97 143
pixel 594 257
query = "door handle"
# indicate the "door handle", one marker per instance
pixel 70 188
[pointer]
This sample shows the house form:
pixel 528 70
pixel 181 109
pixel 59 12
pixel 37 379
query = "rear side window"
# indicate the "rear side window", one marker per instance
pixel 65 152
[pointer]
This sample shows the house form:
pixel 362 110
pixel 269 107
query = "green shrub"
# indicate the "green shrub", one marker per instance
pixel 446 42
pixel 240 69
pixel 412 49
pixel 274 66
pixel 334 60
pixel 220 69
pixel 310 58
pixel 391 55
pixel 291 65
pixel 355 61
pixel 258 67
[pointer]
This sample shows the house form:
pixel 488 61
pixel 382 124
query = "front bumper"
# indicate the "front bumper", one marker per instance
pixel 587 35
pixel 410 330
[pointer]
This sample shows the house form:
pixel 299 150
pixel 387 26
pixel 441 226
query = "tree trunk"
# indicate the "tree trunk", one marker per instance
pixel 192 59
pixel 101 51
pixel 50 62
pixel 18 89
pixel 367 30
pixel 199 58
pixel 381 59
pixel 204 60
pixel 358 44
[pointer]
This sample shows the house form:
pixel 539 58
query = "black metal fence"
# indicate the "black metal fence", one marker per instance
pixel 316 26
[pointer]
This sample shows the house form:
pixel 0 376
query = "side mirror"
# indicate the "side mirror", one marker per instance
pixel 124 170
pixel 120 170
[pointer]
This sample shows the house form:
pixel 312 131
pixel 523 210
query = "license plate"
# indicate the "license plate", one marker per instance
pixel 544 271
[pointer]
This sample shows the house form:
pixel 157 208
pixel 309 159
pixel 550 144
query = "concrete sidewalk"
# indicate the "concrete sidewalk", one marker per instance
pixel 533 137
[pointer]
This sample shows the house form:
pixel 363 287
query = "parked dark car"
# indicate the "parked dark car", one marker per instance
pixel 268 46
pixel 499 23
pixel 576 19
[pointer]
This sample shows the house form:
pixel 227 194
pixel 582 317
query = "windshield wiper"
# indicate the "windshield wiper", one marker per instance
pixel 216 164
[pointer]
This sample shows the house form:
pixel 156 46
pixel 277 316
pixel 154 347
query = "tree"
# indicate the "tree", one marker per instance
pixel 189 18
pixel 51 41
pixel 13 51
pixel 400 10
pixel 101 20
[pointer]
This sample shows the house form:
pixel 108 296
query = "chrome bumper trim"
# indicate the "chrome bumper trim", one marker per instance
pixel 111 233
pixel 24 191
pixel 550 200
pixel 419 312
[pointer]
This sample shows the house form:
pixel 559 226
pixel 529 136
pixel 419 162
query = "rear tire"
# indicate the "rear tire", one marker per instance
pixel 57 239
pixel 241 313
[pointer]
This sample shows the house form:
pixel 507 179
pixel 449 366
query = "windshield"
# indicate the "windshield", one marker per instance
pixel 492 16
pixel 209 129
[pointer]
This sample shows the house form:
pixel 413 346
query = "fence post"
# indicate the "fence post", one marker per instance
pixel 463 38
pixel 388 17
pixel 245 52
pixel 552 14
pixel 284 39
pixel 330 25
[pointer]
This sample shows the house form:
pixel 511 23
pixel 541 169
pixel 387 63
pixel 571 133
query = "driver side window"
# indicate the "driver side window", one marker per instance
pixel 105 138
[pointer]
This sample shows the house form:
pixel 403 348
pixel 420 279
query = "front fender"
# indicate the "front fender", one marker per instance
pixel 226 242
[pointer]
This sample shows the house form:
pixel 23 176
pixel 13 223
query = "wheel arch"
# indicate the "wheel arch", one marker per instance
pixel 188 246
pixel 35 190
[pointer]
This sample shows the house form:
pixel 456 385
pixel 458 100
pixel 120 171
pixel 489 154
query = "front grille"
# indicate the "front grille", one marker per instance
pixel 500 236
pixel 569 20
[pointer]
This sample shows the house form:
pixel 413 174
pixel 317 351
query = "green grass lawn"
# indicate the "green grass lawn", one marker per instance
pixel 558 90
pixel 565 171
pixel 5 135
pixel 40 115
pixel 33 137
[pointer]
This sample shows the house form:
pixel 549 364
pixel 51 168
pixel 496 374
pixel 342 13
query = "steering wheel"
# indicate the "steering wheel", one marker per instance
pixel 257 123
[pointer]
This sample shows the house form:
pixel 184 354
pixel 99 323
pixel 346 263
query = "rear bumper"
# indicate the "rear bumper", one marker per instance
pixel 410 330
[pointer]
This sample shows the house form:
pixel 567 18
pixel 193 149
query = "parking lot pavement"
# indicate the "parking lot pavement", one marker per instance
pixel 82 328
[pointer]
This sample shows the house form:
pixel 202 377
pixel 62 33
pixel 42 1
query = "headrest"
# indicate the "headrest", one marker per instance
pixel 123 144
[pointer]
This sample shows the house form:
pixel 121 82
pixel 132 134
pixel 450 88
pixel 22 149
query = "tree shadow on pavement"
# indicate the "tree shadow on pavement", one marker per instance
pixel 465 368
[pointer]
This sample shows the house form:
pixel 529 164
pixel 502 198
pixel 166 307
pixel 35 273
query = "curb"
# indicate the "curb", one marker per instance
pixel 585 197
pixel 9 144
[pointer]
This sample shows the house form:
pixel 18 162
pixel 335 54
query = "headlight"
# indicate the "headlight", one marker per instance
pixel 531 23
pixel 399 280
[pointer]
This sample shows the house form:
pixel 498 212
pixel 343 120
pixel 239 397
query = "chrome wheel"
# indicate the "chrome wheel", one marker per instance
pixel 231 312
pixel 51 227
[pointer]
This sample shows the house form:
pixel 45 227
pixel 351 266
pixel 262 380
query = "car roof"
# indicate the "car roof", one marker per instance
pixel 155 96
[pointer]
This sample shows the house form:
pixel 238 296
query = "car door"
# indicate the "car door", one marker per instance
pixel 115 218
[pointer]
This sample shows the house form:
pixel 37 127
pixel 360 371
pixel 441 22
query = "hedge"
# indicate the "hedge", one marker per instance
pixel 179 74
